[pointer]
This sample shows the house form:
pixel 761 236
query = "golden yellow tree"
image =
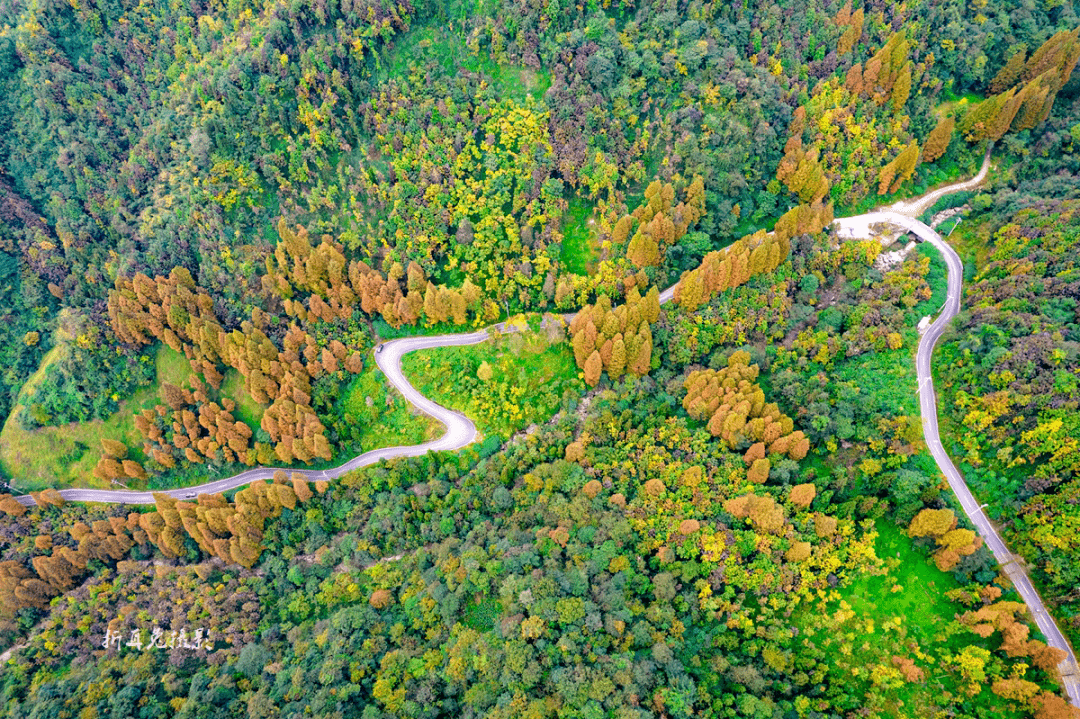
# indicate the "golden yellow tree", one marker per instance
pixel 592 369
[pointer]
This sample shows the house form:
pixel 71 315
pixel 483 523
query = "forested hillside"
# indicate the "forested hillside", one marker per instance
pixel 444 163
pixel 1011 364
pixel 666 545
pixel 210 214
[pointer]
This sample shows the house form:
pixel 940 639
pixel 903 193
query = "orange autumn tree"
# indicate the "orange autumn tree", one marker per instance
pixel 659 222
pixel 852 22
pixel 334 286
pixel 232 531
pixel 749 256
pixel 800 169
pixel 617 340
pixel 939 139
pixel 177 312
pixel 734 406
pixel 1004 618
pixel 1026 95
pixel 899 169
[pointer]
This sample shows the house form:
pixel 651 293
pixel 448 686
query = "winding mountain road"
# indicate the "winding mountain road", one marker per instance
pixel 460 431
pixel 1010 563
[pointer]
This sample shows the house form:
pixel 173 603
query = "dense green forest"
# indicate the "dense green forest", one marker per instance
pixel 211 213
pixel 445 164
pixel 631 557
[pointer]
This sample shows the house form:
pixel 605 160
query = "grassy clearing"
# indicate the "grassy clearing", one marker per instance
pixel 518 83
pixel 65 456
pixel 579 252
pixel 247 409
pixel 376 417
pixel 903 612
pixel 921 598
pixel 526 373
pixel 443 43
pixel 956 104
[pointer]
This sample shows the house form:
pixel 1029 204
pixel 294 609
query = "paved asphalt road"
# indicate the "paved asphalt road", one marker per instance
pixel 461 432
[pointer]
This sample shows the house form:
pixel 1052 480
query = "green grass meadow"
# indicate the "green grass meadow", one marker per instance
pixel 579 253
pixel 529 374
pixel 901 612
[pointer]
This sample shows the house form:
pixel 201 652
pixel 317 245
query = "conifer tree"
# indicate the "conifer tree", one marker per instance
pixel 605 351
pixel 651 305
pixel 939 139
pixel 759 258
pixel 691 290
pixel 754 453
pixel 133 469
pixel 592 337
pixel 301 487
pixel 455 303
pixel 11 506
pixel 622 230
pixel 802 495
pixel 852 34
pixel 695 198
pixel 899 170
pixel 800 445
pixel 173 396
pixel 471 294
pixel 108 468
pixel 643 250
pixel 582 348
pixel 432 309
pixel 1006 106
pixel 775 256
pixel 1059 53
pixel 740 264
pixel 593 367
pixel 853 80
pixel 870 76
pixel 901 89
pixel 617 364
pixel 1009 73
pixel 113 448
pixel 641 363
